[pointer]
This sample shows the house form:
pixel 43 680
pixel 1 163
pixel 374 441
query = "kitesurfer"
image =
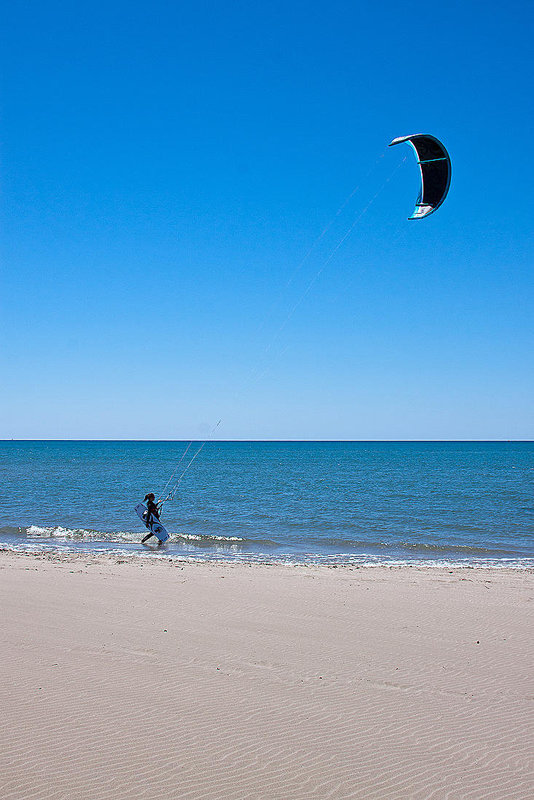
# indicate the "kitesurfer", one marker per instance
pixel 153 513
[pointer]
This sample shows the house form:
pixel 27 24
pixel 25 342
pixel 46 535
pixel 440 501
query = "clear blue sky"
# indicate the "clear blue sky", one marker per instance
pixel 164 167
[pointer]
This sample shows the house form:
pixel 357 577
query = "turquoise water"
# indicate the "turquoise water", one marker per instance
pixel 328 502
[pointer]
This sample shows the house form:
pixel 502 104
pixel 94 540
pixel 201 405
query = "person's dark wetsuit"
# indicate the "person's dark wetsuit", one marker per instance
pixel 153 512
pixel 152 509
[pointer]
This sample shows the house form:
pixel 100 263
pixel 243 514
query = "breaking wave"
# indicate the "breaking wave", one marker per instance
pixel 59 532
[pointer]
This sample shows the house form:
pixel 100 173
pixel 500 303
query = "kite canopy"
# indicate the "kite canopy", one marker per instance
pixel 435 166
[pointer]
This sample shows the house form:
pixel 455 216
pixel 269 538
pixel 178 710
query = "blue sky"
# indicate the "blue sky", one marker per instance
pixel 164 169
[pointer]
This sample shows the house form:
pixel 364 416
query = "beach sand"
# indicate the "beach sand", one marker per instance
pixel 144 678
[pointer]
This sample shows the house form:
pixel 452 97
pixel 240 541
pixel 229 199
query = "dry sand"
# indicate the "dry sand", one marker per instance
pixel 145 679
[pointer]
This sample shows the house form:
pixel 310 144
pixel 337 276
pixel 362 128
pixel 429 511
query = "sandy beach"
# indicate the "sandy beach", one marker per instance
pixel 130 678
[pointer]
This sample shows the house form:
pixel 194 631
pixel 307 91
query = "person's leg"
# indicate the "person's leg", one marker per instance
pixel 146 537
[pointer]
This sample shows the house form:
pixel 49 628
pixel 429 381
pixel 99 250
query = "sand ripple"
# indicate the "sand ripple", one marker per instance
pixel 157 681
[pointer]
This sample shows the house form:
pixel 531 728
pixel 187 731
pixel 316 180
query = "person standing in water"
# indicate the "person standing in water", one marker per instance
pixel 153 513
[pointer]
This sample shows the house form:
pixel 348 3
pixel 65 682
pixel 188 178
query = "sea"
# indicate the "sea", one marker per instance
pixel 334 503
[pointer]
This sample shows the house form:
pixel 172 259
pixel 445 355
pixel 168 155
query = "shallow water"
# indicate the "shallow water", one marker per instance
pixel 331 502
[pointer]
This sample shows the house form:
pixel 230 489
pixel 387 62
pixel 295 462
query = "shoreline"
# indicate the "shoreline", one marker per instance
pixel 68 552
pixel 128 677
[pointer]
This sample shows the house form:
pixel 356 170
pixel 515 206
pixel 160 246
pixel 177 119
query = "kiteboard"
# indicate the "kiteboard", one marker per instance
pixel 154 526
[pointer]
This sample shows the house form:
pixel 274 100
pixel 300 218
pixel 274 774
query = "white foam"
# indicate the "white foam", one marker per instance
pixel 59 532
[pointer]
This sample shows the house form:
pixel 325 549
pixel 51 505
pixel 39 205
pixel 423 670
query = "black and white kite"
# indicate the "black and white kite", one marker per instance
pixel 435 165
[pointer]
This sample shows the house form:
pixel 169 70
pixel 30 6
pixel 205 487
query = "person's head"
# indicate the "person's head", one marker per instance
pixel 150 496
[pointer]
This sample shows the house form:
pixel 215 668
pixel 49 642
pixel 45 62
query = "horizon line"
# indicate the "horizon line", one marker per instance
pixel 289 441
